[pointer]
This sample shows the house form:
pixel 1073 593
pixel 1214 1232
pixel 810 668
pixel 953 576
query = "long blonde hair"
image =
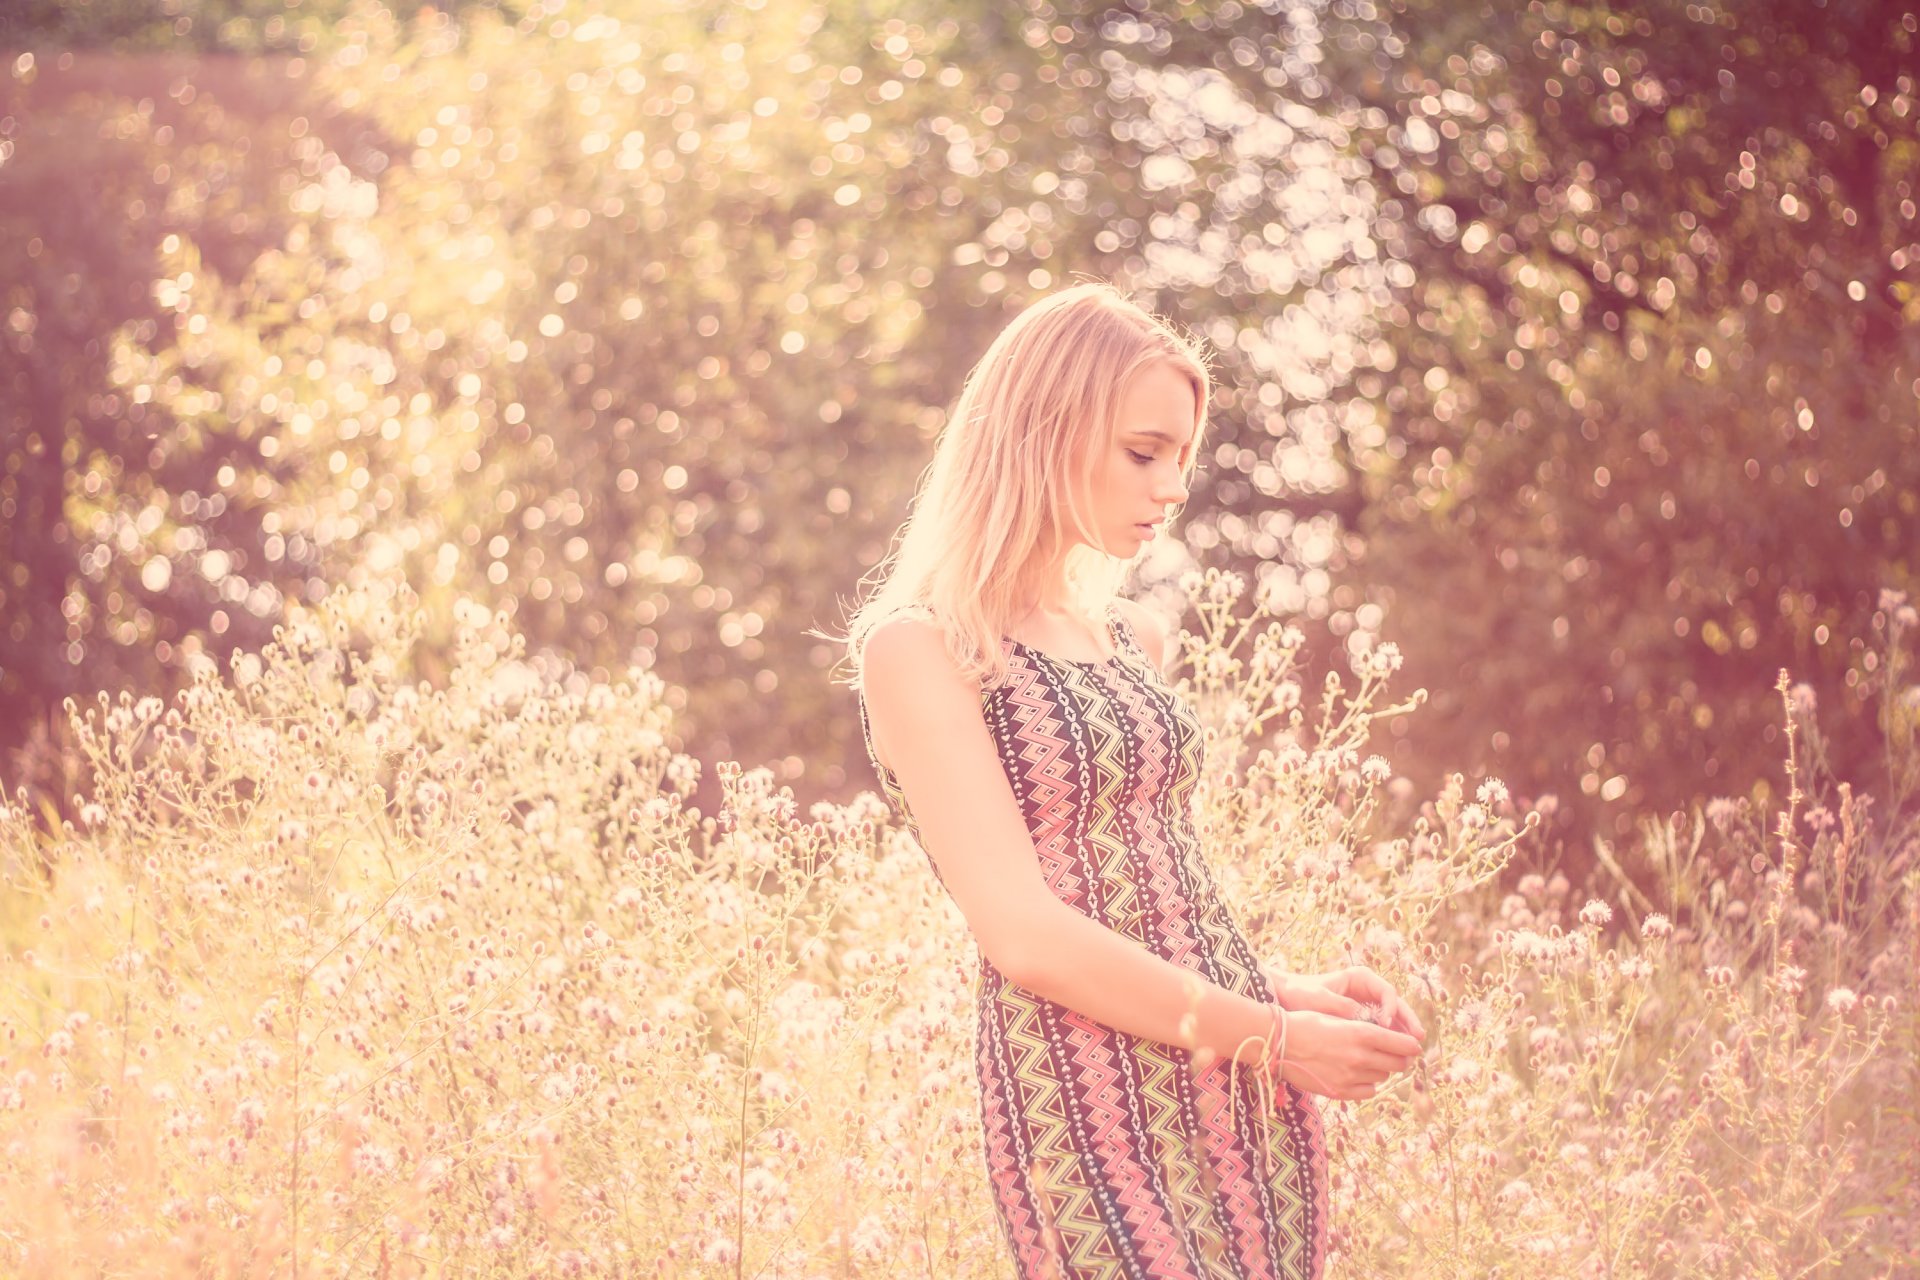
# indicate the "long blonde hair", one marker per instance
pixel 1010 470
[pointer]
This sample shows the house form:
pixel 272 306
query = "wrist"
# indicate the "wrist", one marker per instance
pixel 1273 1058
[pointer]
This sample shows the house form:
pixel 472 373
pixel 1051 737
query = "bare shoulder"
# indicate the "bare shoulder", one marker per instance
pixel 905 648
pixel 911 683
pixel 1149 627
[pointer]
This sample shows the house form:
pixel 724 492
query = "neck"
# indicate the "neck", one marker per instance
pixel 1043 590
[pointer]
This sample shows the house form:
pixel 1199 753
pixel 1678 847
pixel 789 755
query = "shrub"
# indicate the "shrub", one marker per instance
pixel 392 978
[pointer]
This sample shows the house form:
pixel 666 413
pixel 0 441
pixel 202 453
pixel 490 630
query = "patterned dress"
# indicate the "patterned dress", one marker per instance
pixel 1107 1156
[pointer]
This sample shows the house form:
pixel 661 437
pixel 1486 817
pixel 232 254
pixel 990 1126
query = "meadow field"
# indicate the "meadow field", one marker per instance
pixel 358 975
pixel 437 443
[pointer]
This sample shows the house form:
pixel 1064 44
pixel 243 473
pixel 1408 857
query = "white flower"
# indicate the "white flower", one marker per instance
pixel 1634 1184
pixel 1804 700
pixel 1375 770
pixel 373 1158
pixel 1595 913
pixel 1722 811
pixel 1492 793
pixel 1656 926
pixel 1381 938
pixel 871 1239
pixel 1515 1193
pixel 1842 1000
pixel 1226 588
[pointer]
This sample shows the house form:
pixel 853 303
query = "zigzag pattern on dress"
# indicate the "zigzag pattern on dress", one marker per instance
pixel 1108 1157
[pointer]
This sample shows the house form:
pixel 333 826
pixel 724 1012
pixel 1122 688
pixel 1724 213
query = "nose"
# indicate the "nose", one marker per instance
pixel 1172 488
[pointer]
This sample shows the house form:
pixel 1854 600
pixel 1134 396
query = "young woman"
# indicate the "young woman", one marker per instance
pixel 1143 1078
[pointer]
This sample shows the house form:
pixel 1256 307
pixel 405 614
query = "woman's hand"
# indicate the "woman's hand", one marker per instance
pixel 1343 992
pixel 1343 1058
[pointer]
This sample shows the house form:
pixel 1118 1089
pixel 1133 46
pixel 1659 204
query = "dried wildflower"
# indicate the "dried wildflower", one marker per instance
pixel 1515 1194
pixel 1596 913
pixel 1656 926
pixel 1225 588
pixel 1723 812
pixel 1842 1000
pixel 1804 700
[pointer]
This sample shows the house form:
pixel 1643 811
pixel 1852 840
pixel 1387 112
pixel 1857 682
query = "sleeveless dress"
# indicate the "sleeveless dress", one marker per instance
pixel 1107 1156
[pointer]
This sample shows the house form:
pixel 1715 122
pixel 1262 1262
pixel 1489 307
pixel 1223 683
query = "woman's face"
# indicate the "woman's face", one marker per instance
pixel 1143 470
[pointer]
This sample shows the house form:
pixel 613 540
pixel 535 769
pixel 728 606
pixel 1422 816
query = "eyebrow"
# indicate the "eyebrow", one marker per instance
pixel 1161 436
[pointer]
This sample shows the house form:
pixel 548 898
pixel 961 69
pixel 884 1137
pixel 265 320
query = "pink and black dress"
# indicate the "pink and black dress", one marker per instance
pixel 1107 1156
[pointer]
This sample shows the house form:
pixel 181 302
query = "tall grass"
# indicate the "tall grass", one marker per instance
pixel 342 974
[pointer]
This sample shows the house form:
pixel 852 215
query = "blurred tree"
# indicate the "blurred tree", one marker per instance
pixel 650 335
pixel 1657 380
pixel 1636 426
pixel 121 549
pixel 641 317
pixel 179 26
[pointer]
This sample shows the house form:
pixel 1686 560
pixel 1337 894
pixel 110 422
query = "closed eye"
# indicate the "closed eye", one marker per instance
pixel 1141 458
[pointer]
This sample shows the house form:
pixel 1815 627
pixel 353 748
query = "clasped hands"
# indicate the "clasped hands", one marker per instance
pixel 1347 1031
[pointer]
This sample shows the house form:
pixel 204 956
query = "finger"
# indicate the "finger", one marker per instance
pixel 1338 1006
pixel 1341 1006
pixel 1406 1012
pixel 1379 1066
pixel 1387 1040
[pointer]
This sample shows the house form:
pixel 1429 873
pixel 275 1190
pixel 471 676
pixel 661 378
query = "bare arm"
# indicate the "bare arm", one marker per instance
pixel 929 730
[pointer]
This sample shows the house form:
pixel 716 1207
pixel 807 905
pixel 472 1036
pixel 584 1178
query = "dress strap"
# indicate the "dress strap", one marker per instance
pixel 1120 630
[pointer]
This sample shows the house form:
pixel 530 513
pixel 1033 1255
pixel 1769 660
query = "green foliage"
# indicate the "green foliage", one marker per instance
pixel 114 521
pixel 642 317
pixel 1656 385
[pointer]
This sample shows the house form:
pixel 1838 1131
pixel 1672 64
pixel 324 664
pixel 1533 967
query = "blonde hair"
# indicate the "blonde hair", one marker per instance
pixel 1010 471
